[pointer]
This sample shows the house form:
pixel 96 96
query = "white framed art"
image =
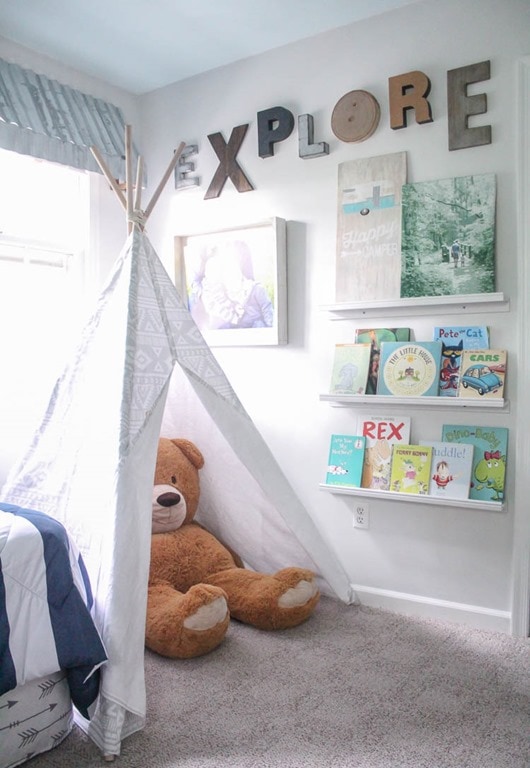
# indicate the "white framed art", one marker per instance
pixel 235 283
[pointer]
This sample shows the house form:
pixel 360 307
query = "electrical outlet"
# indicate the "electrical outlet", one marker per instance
pixel 361 516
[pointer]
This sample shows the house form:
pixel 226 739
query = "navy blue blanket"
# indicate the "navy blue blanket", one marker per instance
pixel 45 602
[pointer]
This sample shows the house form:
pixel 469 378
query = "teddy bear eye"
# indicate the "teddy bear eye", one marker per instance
pixel 173 479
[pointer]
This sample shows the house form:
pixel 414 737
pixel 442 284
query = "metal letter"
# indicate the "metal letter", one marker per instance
pixel 184 167
pixel 460 106
pixel 274 124
pixel 306 146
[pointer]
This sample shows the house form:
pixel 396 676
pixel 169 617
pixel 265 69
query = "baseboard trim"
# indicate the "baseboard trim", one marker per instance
pixel 474 616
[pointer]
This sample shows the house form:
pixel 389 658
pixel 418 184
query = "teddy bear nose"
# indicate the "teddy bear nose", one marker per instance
pixel 168 499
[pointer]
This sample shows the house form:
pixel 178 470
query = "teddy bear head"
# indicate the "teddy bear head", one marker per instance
pixel 176 486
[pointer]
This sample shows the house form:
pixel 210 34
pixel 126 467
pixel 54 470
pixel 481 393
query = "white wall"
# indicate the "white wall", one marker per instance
pixel 425 559
pixel 436 560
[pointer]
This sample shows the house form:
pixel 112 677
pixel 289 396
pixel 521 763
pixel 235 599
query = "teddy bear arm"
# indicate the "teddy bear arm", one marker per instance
pixel 186 556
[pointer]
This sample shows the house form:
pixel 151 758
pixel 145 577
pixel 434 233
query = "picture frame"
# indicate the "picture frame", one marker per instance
pixel 234 282
pixel 448 236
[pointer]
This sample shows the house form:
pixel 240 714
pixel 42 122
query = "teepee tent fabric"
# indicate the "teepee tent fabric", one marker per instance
pixel 141 369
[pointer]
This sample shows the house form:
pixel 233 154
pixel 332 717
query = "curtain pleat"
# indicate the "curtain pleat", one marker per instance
pixel 51 121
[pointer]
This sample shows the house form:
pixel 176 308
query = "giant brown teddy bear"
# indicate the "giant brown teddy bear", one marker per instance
pixel 196 583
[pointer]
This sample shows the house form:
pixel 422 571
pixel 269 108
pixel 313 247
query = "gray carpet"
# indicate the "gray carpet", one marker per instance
pixel 352 688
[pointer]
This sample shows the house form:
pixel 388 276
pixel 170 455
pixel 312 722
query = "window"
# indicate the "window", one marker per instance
pixel 44 226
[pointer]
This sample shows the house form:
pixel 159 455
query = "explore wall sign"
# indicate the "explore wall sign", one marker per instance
pixel 355 117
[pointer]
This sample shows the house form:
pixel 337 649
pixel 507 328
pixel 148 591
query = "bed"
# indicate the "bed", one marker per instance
pixel 50 649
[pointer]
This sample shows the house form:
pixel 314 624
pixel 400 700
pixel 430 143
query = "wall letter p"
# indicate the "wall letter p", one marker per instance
pixel 274 124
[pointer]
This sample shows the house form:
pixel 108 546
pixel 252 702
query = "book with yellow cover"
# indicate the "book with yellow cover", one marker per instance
pixel 411 469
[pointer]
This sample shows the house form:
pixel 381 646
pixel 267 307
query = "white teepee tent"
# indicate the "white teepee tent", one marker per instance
pixel 141 369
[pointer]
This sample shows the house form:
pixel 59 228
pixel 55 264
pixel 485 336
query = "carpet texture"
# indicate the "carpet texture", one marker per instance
pixel 353 687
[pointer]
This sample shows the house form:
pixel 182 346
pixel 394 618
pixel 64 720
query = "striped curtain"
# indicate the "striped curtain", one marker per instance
pixel 48 120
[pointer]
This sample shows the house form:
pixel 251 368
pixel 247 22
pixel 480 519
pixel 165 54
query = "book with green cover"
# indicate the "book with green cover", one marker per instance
pixel 482 373
pixel 350 369
pixel 411 469
pixel 489 457
pixel 345 461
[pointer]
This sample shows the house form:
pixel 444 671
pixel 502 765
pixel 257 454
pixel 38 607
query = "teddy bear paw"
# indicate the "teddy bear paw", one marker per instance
pixel 301 594
pixel 207 616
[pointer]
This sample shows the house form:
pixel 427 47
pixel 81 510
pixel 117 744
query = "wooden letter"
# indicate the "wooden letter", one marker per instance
pixel 275 124
pixel 460 106
pixel 406 92
pixel 306 145
pixel 228 166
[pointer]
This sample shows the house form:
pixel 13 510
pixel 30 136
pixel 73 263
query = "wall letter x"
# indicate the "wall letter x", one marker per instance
pixel 228 166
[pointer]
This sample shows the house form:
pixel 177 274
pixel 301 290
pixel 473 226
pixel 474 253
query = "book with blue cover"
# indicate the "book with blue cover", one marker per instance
pixel 455 339
pixel 409 369
pixel 489 457
pixel 345 461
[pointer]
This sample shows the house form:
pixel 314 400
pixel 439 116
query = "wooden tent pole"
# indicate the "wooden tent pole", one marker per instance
pixel 133 210
pixel 138 189
pixel 105 171
pixel 128 178
pixel 164 179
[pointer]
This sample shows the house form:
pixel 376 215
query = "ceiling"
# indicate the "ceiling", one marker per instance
pixel 141 45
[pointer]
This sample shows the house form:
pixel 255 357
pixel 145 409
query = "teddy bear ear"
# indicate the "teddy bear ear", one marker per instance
pixel 190 451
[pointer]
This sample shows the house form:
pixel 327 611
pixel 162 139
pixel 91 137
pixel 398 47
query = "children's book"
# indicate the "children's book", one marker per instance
pixel 489 458
pixel 381 433
pixel 345 462
pixel 411 468
pixel 456 338
pixel 482 373
pixel 409 369
pixel 350 369
pixel 375 336
pixel 450 469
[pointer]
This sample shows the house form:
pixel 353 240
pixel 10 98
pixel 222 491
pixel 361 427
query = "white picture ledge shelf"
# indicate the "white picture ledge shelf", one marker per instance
pixel 489 506
pixel 424 402
pixel 428 305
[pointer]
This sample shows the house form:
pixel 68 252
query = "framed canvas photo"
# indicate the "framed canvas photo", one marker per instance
pixel 448 236
pixel 235 283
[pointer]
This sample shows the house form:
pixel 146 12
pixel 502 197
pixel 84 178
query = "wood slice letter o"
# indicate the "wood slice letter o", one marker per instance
pixel 355 116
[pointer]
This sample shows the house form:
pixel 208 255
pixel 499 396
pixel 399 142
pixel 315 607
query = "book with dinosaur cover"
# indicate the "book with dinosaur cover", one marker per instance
pixel 450 469
pixel 345 461
pixel 381 433
pixel 456 338
pixel 409 369
pixel 350 369
pixel 489 457
pixel 482 373
pixel 375 336
pixel 411 468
